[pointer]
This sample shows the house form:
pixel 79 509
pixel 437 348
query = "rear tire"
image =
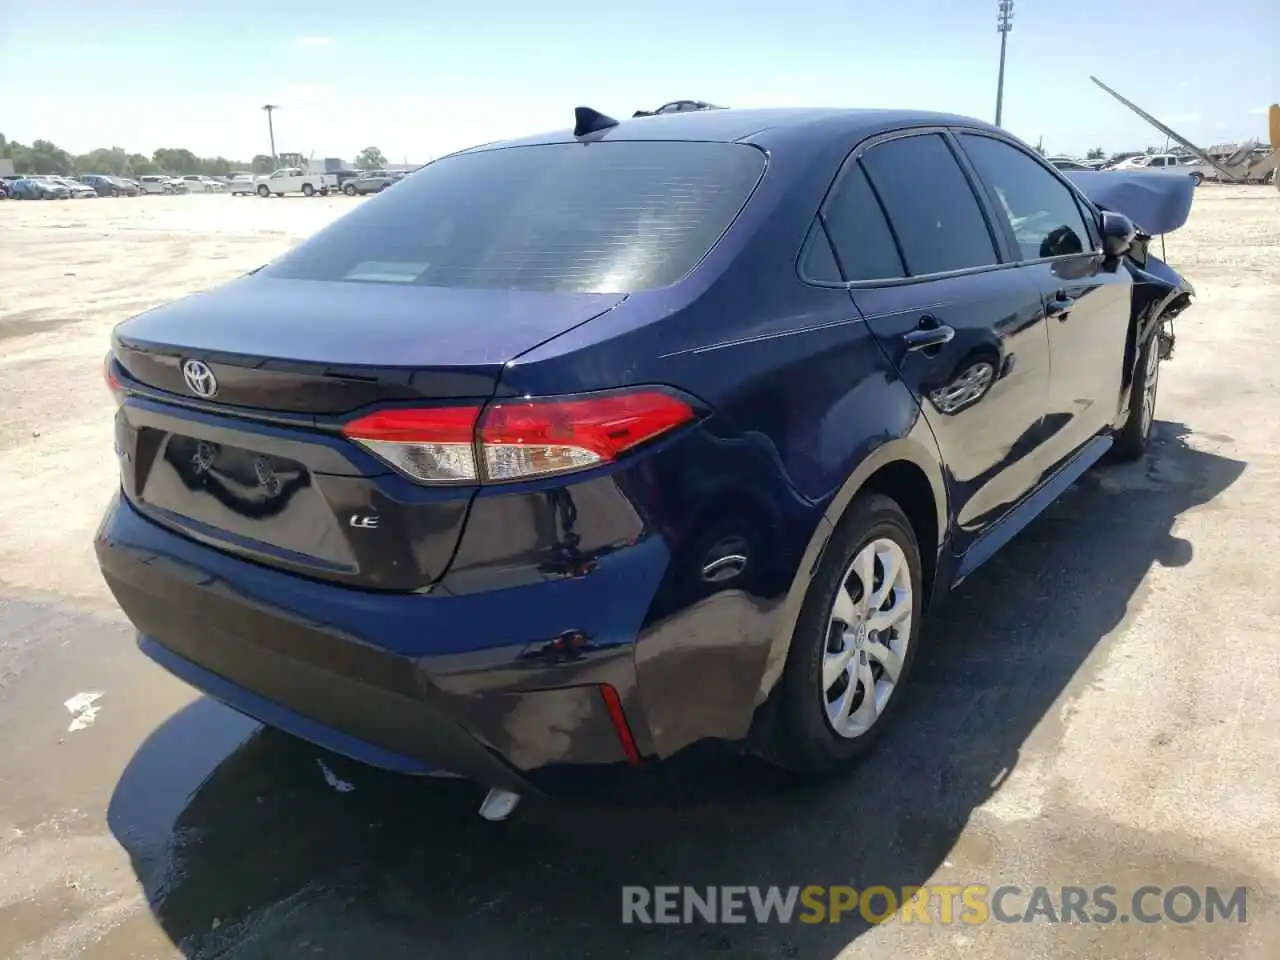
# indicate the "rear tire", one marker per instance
pixel 1197 178
pixel 847 646
pixel 308 190
pixel 349 190
pixel 1135 436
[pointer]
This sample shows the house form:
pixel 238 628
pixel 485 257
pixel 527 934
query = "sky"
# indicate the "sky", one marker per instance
pixel 419 79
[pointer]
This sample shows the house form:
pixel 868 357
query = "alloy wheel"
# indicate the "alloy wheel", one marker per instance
pixel 868 632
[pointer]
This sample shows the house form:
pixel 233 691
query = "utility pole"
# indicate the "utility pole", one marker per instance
pixel 1004 23
pixel 272 107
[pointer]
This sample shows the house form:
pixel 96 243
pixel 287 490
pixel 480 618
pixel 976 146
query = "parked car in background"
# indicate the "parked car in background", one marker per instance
pixel 1151 161
pixel 344 177
pixel 39 188
pixel 475 483
pixel 128 188
pixel 242 184
pixel 370 181
pixel 1198 170
pixel 156 183
pixel 296 180
pixel 106 185
pixel 6 191
pixel 1069 163
pixel 197 183
pixel 75 189
pixel 1120 157
pixel 1165 162
pixel 678 106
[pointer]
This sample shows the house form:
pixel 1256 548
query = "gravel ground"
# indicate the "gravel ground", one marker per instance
pixel 1098 706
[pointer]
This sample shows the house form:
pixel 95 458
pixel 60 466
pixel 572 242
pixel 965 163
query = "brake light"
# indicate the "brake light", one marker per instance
pixel 529 438
pixel 433 446
pixel 519 439
pixel 114 386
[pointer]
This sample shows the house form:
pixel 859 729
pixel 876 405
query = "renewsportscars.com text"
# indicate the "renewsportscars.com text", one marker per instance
pixel 970 904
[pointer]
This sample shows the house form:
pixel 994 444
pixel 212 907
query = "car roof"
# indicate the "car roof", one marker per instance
pixel 768 127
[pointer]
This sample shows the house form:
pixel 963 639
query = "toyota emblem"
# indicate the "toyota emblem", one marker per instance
pixel 199 378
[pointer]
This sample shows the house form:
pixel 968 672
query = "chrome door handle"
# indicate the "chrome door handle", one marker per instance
pixel 926 337
pixel 1060 306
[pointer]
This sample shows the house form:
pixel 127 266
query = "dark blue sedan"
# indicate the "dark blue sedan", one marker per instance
pixel 578 450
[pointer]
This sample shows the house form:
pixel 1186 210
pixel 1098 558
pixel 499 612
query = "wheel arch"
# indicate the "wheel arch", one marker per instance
pixel 1156 295
pixel 909 471
pixel 906 483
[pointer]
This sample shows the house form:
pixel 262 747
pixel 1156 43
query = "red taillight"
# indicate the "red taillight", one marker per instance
pixel 529 438
pixel 518 439
pixel 114 385
pixel 434 446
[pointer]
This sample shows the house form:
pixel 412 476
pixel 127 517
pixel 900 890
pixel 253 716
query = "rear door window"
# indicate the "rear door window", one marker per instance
pixel 1041 210
pixel 603 217
pixel 931 207
pixel 860 234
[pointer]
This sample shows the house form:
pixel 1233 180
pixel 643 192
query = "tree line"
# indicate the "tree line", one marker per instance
pixel 43 156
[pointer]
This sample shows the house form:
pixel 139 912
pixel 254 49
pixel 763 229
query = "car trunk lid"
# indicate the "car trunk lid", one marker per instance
pixel 253 461
pixel 316 347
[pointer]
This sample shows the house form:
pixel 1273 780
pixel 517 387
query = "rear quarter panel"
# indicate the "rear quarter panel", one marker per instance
pixel 804 401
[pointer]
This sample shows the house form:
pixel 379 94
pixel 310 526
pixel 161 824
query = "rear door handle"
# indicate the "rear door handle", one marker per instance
pixel 929 334
pixel 1060 305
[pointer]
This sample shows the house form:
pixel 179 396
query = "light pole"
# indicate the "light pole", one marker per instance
pixel 272 107
pixel 1004 23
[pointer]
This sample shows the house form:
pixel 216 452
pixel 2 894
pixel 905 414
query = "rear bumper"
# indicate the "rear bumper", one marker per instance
pixel 416 683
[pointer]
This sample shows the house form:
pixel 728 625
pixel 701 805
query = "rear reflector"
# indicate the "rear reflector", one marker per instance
pixel 618 717
pixel 520 439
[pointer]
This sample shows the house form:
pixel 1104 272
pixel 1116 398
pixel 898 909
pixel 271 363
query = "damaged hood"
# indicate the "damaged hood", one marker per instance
pixel 1156 202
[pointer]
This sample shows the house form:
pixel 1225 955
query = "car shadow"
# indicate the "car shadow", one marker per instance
pixel 284 850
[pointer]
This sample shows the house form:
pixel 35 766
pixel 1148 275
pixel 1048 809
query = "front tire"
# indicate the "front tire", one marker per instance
pixel 854 644
pixel 263 192
pixel 1135 436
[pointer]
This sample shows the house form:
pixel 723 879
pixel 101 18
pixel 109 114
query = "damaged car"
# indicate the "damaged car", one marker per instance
pixel 583 449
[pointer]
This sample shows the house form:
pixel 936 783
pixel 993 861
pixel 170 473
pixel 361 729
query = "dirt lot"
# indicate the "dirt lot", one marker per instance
pixel 1098 706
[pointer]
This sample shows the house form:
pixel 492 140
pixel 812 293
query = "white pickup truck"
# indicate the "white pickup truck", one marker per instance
pixel 296 180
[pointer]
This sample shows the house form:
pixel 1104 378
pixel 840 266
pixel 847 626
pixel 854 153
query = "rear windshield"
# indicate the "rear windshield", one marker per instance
pixel 603 217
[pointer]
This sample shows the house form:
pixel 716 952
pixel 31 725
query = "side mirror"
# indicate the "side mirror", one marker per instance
pixel 1118 233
